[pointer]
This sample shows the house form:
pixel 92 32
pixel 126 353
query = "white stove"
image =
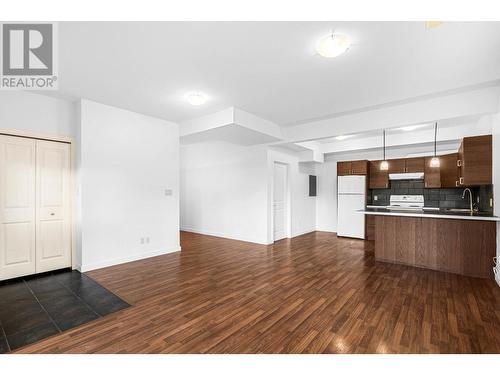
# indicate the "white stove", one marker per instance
pixel 406 202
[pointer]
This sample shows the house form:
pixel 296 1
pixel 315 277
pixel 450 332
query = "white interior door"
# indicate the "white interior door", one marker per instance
pixel 17 207
pixel 53 230
pixel 279 201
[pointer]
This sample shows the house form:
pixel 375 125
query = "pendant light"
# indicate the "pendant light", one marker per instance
pixel 435 160
pixel 384 165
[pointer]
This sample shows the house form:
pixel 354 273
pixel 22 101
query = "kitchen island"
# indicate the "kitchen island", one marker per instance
pixel 457 242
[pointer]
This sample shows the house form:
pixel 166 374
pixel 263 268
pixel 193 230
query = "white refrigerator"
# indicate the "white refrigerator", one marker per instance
pixel 350 199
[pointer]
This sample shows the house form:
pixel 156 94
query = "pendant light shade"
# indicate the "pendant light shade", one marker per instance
pixel 435 163
pixel 384 165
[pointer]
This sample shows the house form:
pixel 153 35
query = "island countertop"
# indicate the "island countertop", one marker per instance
pixel 431 213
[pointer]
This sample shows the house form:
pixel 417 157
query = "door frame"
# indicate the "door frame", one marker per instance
pixel 72 201
pixel 288 216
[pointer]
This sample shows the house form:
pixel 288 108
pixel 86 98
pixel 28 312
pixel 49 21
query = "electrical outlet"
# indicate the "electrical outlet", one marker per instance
pixel 147 239
pixel 168 192
pixel 375 197
pixel 142 240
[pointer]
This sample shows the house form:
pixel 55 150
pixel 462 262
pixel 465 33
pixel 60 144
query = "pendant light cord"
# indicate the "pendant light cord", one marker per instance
pixel 384 143
pixel 435 138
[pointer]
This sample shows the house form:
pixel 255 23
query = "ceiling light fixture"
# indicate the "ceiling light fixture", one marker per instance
pixel 384 165
pixel 433 24
pixel 409 128
pixel 435 163
pixel 342 137
pixel 333 45
pixel 196 98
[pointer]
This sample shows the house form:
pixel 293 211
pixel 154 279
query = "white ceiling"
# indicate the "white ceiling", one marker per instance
pixel 269 68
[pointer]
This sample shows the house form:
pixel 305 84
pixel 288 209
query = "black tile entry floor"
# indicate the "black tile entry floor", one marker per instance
pixel 35 307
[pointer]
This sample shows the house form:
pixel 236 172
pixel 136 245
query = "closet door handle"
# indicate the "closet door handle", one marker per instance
pixel 52 214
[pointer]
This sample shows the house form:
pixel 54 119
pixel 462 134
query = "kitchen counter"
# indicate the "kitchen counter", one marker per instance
pixel 454 242
pixel 431 213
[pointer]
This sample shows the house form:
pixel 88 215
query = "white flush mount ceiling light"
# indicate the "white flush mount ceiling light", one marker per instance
pixel 333 45
pixel 196 98
pixel 342 137
pixel 409 128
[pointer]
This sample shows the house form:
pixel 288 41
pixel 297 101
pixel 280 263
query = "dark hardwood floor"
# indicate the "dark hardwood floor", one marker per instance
pixel 313 294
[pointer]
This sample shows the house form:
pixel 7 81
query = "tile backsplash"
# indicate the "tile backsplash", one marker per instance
pixel 442 198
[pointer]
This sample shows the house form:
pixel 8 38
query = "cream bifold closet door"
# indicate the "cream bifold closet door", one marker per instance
pixel 35 232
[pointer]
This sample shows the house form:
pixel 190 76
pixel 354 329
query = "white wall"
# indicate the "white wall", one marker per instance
pixel 126 162
pixel 302 207
pixel 21 110
pixel 224 191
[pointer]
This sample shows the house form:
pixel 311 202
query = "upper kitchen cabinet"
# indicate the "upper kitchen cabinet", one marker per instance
pixel 432 176
pixel 356 167
pixel 359 167
pixel 409 165
pixel 396 165
pixel 343 168
pixel 475 161
pixel 449 170
pixel 414 165
pixel 378 179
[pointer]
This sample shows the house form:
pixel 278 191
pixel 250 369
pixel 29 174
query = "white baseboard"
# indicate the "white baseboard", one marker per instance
pixel 301 232
pixel 115 261
pixel 329 230
pixel 223 235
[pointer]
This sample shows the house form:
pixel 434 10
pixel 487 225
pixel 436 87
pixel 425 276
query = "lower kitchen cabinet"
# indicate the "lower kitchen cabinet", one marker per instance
pixel 465 247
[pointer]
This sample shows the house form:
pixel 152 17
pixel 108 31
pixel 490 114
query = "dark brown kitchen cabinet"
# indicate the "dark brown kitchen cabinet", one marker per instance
pixel 432 175
pixel 449 170
pixel 475 161
pixel 378 179
pixel 408 165
pixel 356 167
pixel 396 165
pixel 343 168
pixel 414 165
pixel 359 167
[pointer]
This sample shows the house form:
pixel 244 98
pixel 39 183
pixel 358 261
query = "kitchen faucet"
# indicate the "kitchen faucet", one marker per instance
pixel 470 198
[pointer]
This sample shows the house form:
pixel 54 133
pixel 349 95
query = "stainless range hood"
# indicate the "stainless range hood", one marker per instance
pixel 406 176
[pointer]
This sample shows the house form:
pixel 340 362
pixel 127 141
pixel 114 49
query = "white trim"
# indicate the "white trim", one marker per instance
pixel 113 262
pixel 38 135
pixel 325 229
pixel 223 235
pixel 497 279
pixel 300 233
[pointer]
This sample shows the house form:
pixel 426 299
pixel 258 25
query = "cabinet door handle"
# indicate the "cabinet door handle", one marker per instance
pixel 459 163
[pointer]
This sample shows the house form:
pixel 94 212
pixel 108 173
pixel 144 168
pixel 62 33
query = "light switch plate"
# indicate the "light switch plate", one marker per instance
pixel 168 192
